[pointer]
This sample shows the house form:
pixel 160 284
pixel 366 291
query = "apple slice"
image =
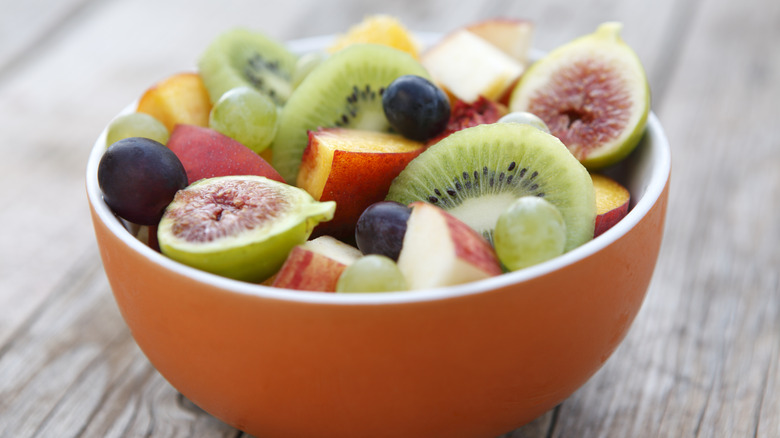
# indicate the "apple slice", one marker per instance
pixel 612 201
pixel 354 168
pixel 467 66
pixel 440 250
pixel 511 36
pixel 206 153
pixel 316 265
pixel 181 98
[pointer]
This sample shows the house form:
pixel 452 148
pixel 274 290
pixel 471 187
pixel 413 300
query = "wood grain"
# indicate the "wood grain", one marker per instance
pixel 702 358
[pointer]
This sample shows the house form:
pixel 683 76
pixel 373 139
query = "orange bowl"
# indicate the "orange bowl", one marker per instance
pixel 478 359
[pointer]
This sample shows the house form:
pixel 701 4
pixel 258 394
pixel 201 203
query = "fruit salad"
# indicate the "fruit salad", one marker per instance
pixel 378 164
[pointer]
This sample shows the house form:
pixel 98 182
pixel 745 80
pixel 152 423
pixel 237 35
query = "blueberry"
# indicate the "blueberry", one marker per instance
pixel 138 178
pixel 415 107
pixel 381 228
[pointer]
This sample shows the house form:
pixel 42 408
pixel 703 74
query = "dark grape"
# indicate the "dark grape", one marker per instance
pixel 415 107
pixel 138 178
pixel 381 228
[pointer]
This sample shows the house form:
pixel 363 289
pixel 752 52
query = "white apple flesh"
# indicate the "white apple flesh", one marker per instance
pixel 316 265
pixel 468 67
pixel 440 250
pixel 511 36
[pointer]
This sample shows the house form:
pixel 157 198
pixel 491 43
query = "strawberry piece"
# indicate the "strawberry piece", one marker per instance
pixel 465 115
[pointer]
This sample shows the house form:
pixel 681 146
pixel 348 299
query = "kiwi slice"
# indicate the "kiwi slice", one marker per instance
pixel 344 91
pixel 240 57
pixel 478 172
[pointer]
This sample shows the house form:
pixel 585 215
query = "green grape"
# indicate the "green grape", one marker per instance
pixel 371 273
pixel 246 116
pixel 530 231
pixel 525 118
pixel 136 125
pixel 306 63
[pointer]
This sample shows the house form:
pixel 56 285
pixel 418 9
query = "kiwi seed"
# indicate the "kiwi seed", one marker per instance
pixel 343 91
pixel 498 163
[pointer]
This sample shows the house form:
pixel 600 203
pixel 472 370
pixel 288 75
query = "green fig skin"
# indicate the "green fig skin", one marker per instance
pixel 606 44
pixel 255 254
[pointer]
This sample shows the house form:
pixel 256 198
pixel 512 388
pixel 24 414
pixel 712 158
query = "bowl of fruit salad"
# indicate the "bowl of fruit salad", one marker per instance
pixel 370 240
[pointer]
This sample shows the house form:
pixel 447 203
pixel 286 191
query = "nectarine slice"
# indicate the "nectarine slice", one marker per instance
pixel 206 153
pixel 181 98
pixel 611 202
pixel 355 169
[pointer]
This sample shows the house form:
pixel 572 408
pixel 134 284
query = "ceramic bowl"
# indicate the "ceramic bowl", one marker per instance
pixel 478 359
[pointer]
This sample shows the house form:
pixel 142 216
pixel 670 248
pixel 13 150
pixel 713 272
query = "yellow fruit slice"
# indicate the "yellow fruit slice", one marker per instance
pixel 379 29
pixel 181 98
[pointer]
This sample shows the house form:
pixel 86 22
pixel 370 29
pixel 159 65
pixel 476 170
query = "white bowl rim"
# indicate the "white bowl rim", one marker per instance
pixel 661 167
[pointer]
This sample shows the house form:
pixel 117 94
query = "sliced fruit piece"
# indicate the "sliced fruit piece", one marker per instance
pixel 469 67
pixel 206 153
pixel 241 227
pixel 465 115
pixel 372 273
pixel 316 265
pixel 181 98
pixel 478 172
pixel 440 250
pixel 530 231
pixel 355 169
pixel 592 93
pixel 612 201
pixel 240 57
pixel 511 36
pixel 379 29
pixel 344 91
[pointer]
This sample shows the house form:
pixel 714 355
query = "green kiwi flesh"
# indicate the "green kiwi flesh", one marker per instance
pixel 346 91
pixel 476 173
pixel 240 57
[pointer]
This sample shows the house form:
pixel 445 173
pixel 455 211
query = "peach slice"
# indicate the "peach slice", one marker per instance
pixel 612 201
pixel 316 265
pixel 181 98
pixel 354 168
pixel 206 153
pixel 379 29
pixel 440 250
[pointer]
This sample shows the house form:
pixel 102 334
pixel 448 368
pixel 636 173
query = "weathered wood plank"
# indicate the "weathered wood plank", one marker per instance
pixel 103 60
pixel 76 370
pixel 702 352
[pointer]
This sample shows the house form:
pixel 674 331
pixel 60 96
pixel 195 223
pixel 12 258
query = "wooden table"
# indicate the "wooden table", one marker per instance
pixel 703 355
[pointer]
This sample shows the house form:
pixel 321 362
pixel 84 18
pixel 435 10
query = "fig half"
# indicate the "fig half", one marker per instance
pixel 241 227
pixel 592 93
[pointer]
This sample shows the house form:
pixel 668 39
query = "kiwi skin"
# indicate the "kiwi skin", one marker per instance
pixel 345 90
pixel 477 172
